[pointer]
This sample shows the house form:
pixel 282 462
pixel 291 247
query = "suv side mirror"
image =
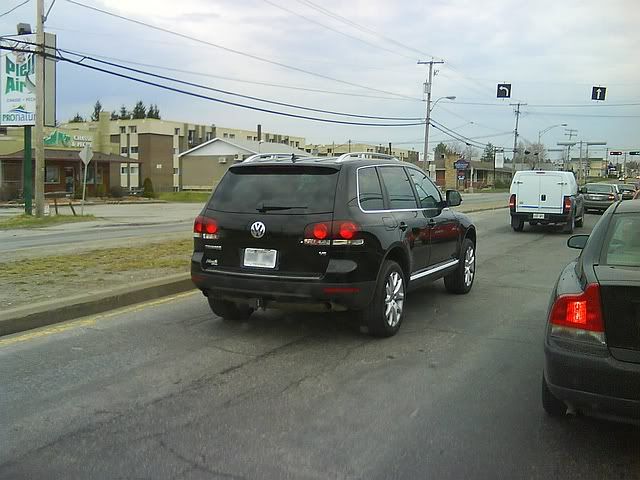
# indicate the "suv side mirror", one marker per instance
pixel 453 198
pixel 577 241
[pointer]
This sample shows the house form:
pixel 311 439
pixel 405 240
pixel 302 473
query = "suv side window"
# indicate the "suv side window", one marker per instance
pixel 399 189
pixel 370 191
pixel 428 193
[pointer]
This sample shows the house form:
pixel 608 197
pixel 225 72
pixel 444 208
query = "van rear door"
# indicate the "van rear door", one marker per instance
pixel 540 192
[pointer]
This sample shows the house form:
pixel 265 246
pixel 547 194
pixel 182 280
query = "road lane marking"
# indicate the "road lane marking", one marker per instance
pixel 86 322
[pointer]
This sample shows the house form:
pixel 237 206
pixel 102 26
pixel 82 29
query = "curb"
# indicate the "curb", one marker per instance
pixel 47 313
pixel 484 209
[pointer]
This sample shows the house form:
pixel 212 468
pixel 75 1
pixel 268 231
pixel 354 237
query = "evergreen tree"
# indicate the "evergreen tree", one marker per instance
pixel 124 114
pixel 97 108
pixel 77 119
pixel 139 111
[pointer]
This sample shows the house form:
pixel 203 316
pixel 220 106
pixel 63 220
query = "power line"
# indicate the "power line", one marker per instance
pixel 231 50
pixel 14 8
pixel 218 100
pixel 377 47
pixel 585 115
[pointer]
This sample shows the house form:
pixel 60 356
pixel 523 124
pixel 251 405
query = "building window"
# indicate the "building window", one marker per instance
pixel 52 174
pixel 249 137
pixel 3 130
pixel 225 135
pixel 123 129
pixel 297 144
pixel 134 169
pixel 209 136
pixel 191 136
pixel 232 135
pixel 123 169
pixel 175 151
pixel 176 171
pixel 133 129
pixel 255 139
pixel 124 150
pixel 134 149
pixel 176 132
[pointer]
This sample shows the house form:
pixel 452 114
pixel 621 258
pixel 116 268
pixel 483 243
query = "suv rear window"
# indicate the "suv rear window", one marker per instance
pixel 276 189
pixel 599 188
pixel 622 247
pixel 370 192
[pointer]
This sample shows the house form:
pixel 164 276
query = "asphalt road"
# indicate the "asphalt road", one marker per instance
pixel 167 390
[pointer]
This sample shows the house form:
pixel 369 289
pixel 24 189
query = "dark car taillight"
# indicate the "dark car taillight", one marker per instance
pixel 612 196
pixel 579 316
pixel 512 202
pixel 205 227
pixel 339 232
pixel 567 204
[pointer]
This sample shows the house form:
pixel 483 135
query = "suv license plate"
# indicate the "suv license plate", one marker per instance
pixel 261 258
pixel 538 216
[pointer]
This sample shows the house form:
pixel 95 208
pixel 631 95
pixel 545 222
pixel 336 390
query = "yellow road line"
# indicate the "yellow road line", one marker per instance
pixel 85 322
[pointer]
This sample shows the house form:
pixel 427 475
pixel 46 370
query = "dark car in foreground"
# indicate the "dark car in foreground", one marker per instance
pixel 599 196
pixel 353 232
pixel 592 341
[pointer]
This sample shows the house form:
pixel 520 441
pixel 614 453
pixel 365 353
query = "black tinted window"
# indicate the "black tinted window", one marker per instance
pixel 369 189
pixel 622 246
pixel 269 189
pixel 428 193
pixel 398 187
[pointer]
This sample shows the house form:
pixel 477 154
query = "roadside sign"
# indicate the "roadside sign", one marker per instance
pixel 461 174
pixel 499 159
pixel 461 164
pixel 86 154
pixel 615 153
pixel 598 93
pixel 504 90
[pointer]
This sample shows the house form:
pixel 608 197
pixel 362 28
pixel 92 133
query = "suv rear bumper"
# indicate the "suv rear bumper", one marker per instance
pixel 596 383
pixel 305 293
pixel 548 217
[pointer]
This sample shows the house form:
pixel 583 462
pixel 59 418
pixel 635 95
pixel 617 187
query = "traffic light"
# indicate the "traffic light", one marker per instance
pixel 615 153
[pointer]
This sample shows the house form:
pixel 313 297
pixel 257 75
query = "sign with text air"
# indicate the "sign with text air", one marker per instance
pixel 18 81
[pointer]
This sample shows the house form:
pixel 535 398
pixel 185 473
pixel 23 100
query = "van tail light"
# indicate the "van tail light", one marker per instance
pixel 579 316
pixel 567 204
pixel 512 202
pixel 339 232
pixel 205 227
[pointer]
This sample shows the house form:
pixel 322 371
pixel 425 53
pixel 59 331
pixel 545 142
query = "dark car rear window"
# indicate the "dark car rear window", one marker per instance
pixel 287 190
pixel 595 188
pixel 622 245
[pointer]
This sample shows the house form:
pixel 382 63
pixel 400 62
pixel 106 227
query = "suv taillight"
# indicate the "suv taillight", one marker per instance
pixel 567 204
pixel 612 196
pixel 579 316
pixel 205 227
pixel 512 202
pixel 339 232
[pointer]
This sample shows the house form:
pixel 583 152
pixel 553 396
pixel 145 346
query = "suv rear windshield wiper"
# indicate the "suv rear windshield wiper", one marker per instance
pixel 268 208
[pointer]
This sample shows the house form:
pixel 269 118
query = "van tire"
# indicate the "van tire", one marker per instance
pixel 518 227
pixel 230 311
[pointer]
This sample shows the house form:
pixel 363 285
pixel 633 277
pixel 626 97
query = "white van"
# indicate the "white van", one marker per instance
pixel 545 197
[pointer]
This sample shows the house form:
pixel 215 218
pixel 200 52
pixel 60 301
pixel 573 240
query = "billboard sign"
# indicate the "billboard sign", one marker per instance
pixel 18 81
pixel 499 162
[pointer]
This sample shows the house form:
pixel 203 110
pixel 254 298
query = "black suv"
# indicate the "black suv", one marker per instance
pixel 333 233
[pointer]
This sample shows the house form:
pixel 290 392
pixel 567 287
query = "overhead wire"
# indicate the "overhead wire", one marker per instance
pixel 218 100
pixel 232 50
pixel 14 8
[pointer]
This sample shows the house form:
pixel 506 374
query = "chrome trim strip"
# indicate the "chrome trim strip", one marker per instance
pixel 347 242
pixel 432 270
pixel 261 275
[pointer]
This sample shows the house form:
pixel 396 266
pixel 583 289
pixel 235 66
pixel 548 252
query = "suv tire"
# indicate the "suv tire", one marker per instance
pixel 383 315
pixel 552 405
pixel 461 280
pixel 230 310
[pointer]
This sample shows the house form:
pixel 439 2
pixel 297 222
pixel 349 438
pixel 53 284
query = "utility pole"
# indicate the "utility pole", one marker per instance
pixel 349 146
pixel 428 116
pixel 580 172
pixel 515 136
pixel 39 126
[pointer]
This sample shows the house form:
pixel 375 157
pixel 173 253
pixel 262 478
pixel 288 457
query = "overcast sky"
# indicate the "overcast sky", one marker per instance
pixel 551 51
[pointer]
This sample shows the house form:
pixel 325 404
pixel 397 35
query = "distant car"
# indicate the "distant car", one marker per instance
pixel 349 233
pixel 545 197
pixel 592 341
pixel 627 190
pixel 599 196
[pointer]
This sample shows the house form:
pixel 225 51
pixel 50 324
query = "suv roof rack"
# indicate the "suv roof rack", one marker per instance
pixel 371 155
pixel 273 156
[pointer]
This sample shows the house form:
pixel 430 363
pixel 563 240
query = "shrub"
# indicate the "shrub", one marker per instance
pixel 147 188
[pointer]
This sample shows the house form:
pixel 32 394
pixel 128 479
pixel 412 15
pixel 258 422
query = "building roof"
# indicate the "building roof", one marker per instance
pixel 70 156
pixel 249 146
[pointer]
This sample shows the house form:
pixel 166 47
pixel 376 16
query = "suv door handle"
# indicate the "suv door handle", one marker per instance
pixel 403 226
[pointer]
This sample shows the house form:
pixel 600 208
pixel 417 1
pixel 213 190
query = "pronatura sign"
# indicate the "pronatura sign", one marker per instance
pixel 18 81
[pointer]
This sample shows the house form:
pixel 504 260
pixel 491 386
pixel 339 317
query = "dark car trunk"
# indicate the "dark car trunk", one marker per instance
pixel 620 294
pixel 285 199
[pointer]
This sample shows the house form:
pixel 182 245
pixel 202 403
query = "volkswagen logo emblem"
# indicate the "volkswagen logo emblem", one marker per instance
pixel 258 230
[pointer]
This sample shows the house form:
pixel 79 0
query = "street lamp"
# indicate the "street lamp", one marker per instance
pixel 542 132
pixel 426 125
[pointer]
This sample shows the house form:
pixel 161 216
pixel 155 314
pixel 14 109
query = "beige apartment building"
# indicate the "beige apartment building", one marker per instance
pixel 324 150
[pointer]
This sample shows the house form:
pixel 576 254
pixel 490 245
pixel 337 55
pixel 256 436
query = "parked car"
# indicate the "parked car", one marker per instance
pixel 545 197
pixel 627 191
pixel 592 341
pixel 353 232
pixel 599 196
